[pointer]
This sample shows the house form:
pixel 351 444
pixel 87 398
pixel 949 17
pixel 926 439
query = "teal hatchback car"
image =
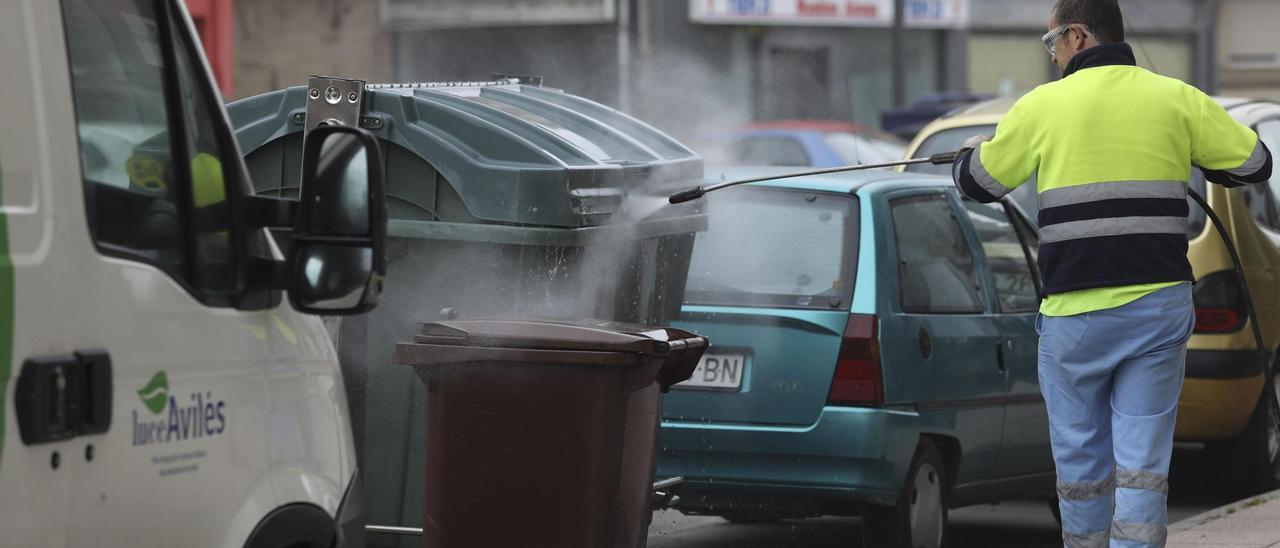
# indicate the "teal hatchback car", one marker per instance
pixel 873 353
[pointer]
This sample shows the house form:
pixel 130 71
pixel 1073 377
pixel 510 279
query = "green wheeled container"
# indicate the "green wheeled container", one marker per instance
pixel 506 200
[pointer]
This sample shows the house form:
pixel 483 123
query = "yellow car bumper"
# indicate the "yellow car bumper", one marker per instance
pixel 1219 394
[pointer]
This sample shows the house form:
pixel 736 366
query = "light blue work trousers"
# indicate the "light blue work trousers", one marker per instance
pixel 1111 380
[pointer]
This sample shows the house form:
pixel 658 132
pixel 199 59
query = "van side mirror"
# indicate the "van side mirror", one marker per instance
pixel 336 265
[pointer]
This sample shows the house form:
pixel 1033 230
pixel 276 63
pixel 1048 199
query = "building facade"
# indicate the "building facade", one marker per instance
pixel 1170 37
pixel 698 66
pixel 1248 52
pixel 279 43
pixel 694 67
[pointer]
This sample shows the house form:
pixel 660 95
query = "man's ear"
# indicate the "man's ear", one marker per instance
pixel 1080 39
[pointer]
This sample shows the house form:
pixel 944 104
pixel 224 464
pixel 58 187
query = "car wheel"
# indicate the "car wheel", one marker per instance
pixel 748 517
pixel 1250 462
pixel 919 519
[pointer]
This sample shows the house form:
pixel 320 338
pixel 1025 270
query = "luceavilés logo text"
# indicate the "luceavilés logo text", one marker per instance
pixel 197 417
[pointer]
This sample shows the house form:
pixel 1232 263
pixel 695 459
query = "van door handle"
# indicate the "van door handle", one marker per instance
pixel 61 397
pixel 1000 354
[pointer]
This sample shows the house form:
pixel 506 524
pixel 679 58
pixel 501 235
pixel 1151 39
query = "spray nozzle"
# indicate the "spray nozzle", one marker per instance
pixel 687 196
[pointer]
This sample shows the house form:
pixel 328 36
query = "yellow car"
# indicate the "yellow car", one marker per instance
pixel 1221 405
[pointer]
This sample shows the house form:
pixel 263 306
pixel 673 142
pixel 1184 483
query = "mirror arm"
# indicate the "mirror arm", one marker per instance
pixel 268 274
pixel 270 212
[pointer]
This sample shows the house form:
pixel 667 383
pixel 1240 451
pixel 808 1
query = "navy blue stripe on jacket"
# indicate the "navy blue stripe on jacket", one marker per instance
pixel 962 174
pixel 1091 263
pixel 1233 178
pixel 1105 209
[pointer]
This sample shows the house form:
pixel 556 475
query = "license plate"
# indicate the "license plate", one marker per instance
pixel 718 371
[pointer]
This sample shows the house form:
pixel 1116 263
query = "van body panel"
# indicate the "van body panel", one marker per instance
pixel 218 416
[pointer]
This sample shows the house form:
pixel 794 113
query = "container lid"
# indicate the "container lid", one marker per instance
pixel 510 153
pixel 582 335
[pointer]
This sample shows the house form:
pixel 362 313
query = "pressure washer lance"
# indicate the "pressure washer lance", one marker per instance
pixel 690 195
pixel 1264 359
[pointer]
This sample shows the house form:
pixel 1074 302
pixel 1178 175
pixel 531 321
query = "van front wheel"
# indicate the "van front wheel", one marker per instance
pixel 298 525
pixel 919 519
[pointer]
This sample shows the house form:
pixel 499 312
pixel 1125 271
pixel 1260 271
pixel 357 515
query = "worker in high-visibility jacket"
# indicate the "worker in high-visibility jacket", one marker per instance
pixel 1112 146
pixel 151 173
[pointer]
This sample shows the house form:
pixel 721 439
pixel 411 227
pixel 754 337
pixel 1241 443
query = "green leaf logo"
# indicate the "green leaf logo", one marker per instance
pixel 156 393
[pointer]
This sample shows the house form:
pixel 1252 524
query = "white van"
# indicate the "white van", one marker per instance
pixel 157 389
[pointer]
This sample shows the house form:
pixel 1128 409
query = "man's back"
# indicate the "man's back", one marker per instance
pixel 1113 145
pixel 1088 122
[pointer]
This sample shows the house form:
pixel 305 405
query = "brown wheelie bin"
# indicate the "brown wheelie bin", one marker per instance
pixel 543 433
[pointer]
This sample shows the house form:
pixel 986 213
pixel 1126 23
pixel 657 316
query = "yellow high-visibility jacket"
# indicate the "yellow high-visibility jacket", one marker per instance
pixel 1112 146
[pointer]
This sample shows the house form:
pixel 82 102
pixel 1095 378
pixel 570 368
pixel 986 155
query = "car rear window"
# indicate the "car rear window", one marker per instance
pixel 773 247
pixel 770 151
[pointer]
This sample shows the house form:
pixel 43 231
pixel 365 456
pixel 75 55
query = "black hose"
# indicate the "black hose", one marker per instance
pixel 1264 358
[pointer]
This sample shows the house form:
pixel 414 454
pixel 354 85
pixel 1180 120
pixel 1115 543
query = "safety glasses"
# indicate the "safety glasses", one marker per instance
pixel 1050 38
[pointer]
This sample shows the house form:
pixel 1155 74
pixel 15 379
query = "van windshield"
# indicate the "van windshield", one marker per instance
pixel 783 248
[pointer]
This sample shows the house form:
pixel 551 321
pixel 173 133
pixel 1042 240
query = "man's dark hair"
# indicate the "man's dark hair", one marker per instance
pixel 1103 17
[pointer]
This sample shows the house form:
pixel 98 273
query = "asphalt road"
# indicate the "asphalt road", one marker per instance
pixel 1020 523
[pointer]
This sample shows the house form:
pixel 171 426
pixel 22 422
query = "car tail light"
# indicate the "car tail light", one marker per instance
pixel 1219 303
pixel 858 381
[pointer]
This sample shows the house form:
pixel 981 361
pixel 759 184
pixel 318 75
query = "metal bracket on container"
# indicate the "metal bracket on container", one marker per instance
pixel 333 101
pixel 372 122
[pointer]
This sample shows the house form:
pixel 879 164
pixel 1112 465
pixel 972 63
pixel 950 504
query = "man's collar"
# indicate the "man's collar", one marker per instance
pixel 1101 55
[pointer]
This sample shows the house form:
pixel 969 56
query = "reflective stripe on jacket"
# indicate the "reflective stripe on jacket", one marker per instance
pixel 1113 145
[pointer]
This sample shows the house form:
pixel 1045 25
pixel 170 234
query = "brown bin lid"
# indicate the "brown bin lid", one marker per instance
pixel 582 335
pixel 583 342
